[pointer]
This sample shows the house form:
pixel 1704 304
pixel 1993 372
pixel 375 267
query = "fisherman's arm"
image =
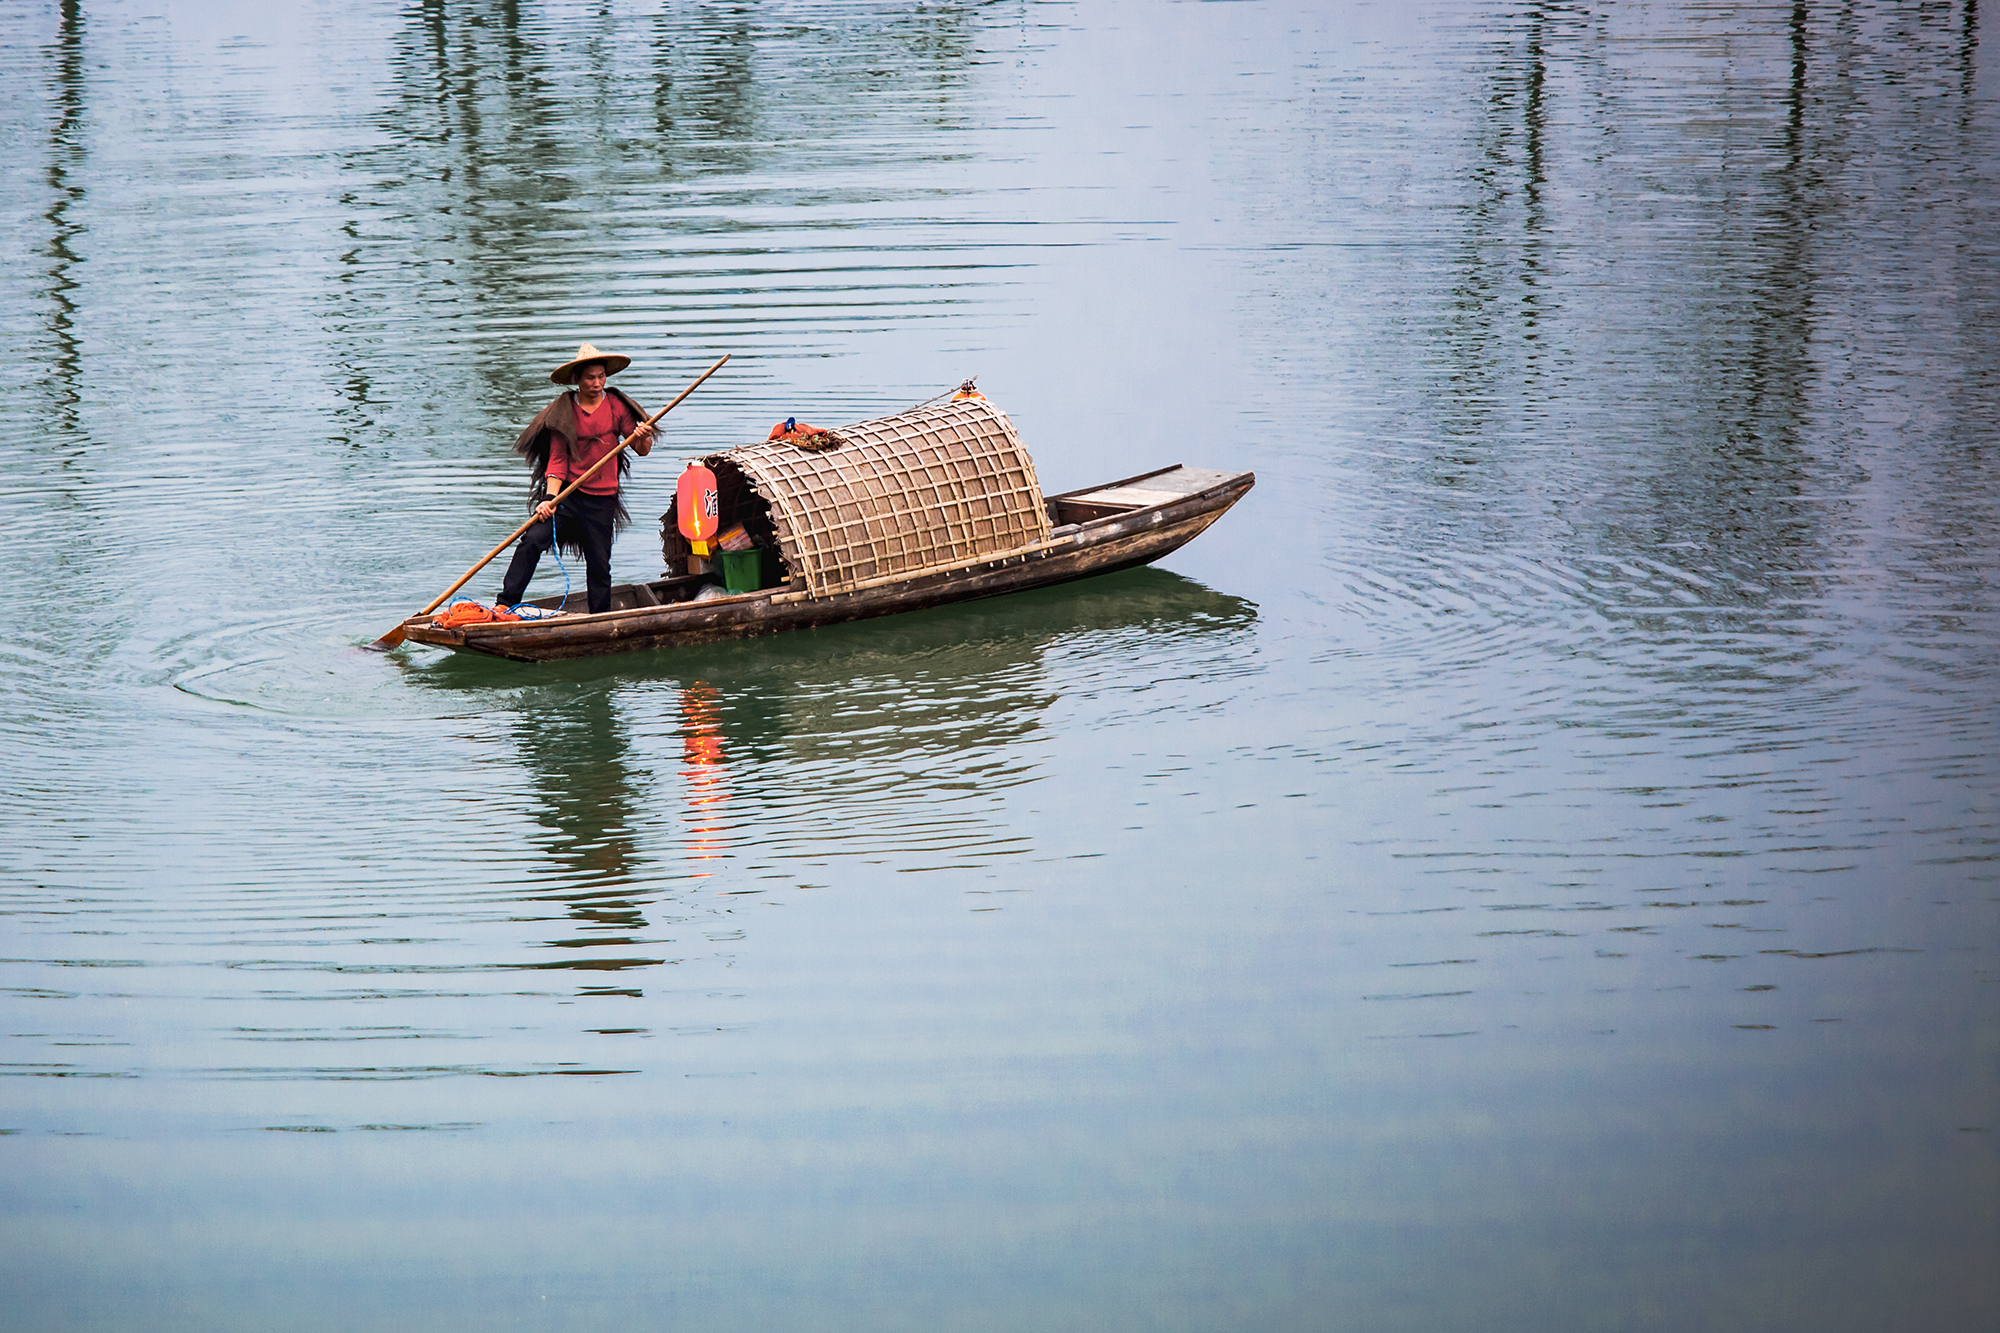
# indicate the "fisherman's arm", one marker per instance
pixel 552 483
pixel 641 438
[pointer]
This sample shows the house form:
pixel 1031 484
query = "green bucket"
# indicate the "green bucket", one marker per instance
pixel 748 571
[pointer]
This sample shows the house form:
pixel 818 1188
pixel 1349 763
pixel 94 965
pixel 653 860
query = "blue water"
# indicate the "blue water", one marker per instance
pixel 1532 865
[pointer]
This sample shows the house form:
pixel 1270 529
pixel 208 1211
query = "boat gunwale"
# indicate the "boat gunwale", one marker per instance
pixel 1143 476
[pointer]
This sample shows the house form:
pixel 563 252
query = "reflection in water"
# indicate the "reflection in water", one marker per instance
pixel 703 776
pixel 1504 329
pixel 462 178
pixel 706 99
pixel 1724 493
pixel 830 732
pixel 780 757
pixel 1650 431
pixel 527 158
pixel 65 180
pixel 809 745
pixel 577 754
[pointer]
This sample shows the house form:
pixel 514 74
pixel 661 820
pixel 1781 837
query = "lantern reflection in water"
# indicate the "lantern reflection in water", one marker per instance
pixel 701 768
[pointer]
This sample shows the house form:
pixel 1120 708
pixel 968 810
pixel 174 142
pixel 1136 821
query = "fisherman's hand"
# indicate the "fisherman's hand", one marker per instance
pixel 545 510
pixel 641 438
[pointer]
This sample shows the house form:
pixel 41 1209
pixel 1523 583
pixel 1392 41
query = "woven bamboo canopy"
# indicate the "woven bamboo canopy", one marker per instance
pixel 924 489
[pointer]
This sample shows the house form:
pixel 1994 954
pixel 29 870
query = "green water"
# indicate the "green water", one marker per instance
pixel 1532 865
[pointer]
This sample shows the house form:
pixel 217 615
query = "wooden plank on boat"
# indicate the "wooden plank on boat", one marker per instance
pixel 1163 488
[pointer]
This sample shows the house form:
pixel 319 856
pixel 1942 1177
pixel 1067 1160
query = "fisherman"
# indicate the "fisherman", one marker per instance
pixel 561 443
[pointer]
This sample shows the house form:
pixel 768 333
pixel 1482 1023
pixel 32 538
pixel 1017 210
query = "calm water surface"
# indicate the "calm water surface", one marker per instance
pixel 1534 865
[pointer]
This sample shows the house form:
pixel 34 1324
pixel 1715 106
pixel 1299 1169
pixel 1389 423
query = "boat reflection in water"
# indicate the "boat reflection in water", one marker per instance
pixel 702 776
pixel 579 755
pixel 890 740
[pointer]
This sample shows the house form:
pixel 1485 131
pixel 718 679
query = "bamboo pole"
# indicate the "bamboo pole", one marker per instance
pixel 398 634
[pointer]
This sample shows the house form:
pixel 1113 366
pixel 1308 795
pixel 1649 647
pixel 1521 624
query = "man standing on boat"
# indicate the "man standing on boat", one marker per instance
pixel 563 440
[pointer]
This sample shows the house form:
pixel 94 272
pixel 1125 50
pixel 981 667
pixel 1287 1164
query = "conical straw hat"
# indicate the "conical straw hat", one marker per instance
pixel 566 372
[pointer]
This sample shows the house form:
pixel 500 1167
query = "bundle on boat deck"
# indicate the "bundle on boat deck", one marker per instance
pixel 465 611
pixel 937 504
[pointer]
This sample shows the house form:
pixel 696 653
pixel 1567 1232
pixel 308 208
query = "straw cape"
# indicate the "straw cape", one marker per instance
pixel 556 425
pixel 935 505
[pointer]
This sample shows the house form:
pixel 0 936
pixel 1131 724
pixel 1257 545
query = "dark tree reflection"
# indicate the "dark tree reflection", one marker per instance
pixel 65 174
pixel 577 754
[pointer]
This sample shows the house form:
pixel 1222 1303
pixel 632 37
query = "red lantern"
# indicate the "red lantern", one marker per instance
pixel 699 506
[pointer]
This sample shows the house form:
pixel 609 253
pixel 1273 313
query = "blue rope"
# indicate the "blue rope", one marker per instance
pixel 555 551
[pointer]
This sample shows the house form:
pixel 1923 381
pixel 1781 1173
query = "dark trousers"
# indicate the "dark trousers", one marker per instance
pixel 584 521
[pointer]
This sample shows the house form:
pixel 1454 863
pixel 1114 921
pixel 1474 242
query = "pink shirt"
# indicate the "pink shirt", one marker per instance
pixel 597 434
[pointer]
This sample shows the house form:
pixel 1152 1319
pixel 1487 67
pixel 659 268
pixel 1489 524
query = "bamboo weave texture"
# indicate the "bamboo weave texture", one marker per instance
pixel 933 486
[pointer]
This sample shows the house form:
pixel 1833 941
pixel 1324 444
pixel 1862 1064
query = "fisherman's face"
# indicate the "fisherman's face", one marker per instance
pixel 592 378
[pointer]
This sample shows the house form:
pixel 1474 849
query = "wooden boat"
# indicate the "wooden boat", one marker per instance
pixel 936 505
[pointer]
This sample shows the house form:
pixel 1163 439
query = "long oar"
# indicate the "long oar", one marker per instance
pixel 397 635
